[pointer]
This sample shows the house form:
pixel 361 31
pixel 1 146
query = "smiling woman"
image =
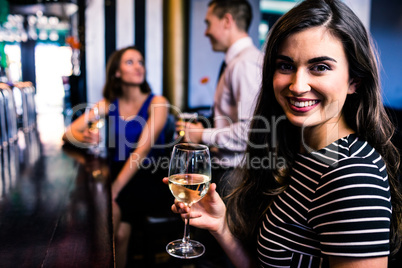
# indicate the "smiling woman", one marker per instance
pixel 132 69
pixel 334 201
pixel 311 83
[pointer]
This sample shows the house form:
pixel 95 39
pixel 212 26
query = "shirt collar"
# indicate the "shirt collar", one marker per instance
pixel 237 47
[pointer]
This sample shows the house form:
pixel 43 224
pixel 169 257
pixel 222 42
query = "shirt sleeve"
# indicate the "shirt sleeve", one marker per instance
pixel 351 211
pixel 232 138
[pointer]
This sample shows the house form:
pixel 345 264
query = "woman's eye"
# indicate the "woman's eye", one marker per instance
pixel 141 62
pixel 320 68
pixel 130 62
pixel 283 66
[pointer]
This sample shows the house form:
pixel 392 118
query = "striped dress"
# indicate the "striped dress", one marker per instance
pixel 337 204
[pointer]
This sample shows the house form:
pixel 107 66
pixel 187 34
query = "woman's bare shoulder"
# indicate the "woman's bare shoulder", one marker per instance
pixel 157 99
pixel 103 106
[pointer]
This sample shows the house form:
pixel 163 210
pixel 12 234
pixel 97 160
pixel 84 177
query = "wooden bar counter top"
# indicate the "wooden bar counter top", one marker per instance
pixel 55 208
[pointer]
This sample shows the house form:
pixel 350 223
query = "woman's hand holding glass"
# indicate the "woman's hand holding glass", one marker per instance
pixel 91 134
pixel 208 213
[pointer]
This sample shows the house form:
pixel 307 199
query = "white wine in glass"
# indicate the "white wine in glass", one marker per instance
pixel 189 180
pixel 94 123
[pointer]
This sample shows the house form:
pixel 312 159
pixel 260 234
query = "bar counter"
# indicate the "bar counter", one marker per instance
pixel 54 202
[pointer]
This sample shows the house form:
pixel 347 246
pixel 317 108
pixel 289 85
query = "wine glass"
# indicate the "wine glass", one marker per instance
pixel 94 123
pixel 187 117
pixel 189 180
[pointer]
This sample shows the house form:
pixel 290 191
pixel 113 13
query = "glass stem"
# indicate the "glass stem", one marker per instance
pixel 186 236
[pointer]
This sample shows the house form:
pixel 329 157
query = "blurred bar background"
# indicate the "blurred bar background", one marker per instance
pixel 53 56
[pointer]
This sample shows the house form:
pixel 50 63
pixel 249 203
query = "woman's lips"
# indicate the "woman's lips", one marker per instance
pixel 302 105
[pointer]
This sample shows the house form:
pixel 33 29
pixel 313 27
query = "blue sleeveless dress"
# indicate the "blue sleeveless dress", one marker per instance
pixel 134 200
pixel 127 132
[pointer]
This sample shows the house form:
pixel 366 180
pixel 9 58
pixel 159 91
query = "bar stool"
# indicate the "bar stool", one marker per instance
pixel 18 105
pixel 26 96
pixel 25 112
pixel 2 182
pixel 160 229
pixel 31 106
pixel 11 116
pixel 10 125
pixel 3 122
pixel 12 129
pixel 4 144
pixel 1 174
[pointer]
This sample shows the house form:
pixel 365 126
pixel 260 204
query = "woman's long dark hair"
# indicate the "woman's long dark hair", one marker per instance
pixel 113 86
pixel 364 113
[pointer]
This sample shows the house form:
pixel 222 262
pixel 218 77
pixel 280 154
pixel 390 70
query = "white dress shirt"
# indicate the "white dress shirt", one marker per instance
pixel 234 102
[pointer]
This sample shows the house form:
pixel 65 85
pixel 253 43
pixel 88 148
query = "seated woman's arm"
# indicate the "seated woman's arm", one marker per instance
pixel 78 133
pixel 158 113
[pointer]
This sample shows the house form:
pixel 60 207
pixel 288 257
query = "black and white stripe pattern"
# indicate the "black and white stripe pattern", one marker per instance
pixel 337 204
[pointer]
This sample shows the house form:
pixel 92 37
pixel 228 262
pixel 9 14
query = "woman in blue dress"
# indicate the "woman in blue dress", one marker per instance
pixel 136 122
pixel 319 185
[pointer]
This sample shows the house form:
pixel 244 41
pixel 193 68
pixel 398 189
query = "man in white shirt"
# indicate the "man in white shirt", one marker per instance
pixel 234 101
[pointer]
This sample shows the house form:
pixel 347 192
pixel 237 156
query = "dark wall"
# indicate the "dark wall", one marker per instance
pixel 386 28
